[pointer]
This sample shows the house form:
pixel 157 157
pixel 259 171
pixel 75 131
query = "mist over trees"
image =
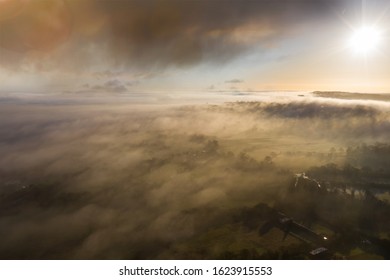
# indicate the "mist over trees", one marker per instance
pixel 121 181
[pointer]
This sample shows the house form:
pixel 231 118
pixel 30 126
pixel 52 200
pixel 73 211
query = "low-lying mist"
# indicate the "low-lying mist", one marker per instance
pixel 120 181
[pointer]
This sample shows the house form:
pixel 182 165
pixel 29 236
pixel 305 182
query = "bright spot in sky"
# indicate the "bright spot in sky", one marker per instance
pixel 365 40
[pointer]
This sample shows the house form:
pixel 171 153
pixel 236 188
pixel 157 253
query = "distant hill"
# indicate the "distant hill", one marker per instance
pixel 353 95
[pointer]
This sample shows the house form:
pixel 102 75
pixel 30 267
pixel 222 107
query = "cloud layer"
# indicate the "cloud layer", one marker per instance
pixel 148 33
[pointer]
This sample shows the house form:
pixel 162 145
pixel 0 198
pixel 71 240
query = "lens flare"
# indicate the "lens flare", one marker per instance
pixel 365 40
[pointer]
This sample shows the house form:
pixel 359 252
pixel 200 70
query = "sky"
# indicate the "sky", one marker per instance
pixel 152 46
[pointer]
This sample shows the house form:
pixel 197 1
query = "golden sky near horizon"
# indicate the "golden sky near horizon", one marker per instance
pixel 160 45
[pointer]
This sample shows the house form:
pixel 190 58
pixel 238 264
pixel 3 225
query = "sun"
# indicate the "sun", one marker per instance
pixel 365 40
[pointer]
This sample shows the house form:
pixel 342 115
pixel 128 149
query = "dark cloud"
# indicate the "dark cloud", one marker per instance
pixel 234 81
pixel 34 25
pixel 151 33
pixel 107 74
pixel 116 86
